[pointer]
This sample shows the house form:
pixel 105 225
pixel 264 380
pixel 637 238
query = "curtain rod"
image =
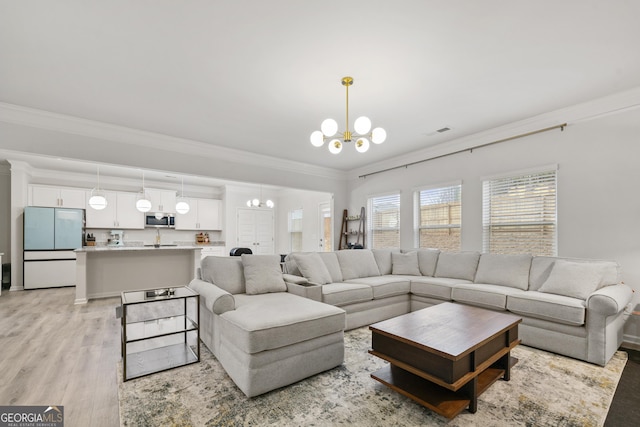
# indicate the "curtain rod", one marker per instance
pixel 561 127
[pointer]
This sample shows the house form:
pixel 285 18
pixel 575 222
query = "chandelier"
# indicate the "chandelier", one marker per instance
pixel 362 128
pixel 260 203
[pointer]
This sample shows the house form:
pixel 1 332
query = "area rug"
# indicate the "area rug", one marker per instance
pixel 545 390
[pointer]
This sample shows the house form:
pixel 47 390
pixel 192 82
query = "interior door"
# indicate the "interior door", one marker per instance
pixel 255 230
pixel 326 225
pixel 246 229
pixel 264 232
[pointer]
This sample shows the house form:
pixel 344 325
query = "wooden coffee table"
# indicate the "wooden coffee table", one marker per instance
pixel 445 356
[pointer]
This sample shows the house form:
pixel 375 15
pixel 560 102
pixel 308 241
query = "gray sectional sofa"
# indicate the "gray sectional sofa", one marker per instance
pixel 573 307
pixel 270 329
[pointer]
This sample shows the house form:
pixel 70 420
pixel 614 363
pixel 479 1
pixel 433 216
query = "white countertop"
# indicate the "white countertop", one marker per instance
pixel 137 248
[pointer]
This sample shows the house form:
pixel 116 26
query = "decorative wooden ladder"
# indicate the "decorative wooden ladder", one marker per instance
pixel 344 231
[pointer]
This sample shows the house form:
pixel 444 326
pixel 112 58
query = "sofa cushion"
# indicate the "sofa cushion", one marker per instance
pixel 290 265
pixel 383 259
pixel 312 267
pixel 574 279
pixel 269 321
pixel 330 260
pixel 263 274
pixel 386 286
pixel 505 270
pixel 555 308
pixel 435 287
pixel 346 293
pixel 356 263
pixel 227 273
pixel 457 265
pixel 427 261
pixel 490 296
pixel 405 263
pixel 541 267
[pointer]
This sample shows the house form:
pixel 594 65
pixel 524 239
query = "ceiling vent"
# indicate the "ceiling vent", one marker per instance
pixel 444 129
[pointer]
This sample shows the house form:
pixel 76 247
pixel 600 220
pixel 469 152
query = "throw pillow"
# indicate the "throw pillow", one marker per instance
pixel 573 279
pixel 405 263
pixel 312 267
pixel 224 272
pixel 263 274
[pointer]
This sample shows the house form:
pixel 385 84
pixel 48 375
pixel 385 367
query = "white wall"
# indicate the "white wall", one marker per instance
pixel 309 202
pixel 5 212
pixel 598 190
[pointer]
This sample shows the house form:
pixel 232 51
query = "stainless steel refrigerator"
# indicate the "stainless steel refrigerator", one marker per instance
pixel 50 237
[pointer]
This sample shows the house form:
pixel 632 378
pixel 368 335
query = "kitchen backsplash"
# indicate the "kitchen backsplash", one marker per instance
pixel 148 236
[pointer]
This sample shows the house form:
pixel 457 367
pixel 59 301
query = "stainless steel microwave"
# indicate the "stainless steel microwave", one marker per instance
pixel 159 220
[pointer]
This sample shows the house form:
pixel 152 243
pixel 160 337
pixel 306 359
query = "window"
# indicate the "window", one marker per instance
pixel 519 214
pixel 295 230
pixel 438 218
pixel 384 221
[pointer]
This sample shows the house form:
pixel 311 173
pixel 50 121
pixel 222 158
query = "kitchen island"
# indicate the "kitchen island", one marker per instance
pixel 106 271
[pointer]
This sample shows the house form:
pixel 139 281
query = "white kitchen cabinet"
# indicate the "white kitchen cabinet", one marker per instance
pixel 127 215
pixel 56 197
pixel 162 200
pixel 213 251
pixel 204 214
pixel 120 212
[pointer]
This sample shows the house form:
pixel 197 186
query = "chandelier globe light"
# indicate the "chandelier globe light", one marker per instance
pixel 143 204
pixel 260 203
pixel 362 133
pixel 97 200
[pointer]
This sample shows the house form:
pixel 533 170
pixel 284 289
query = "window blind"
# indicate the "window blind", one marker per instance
pixel 383 221
pixel 520 214
pixel 439 213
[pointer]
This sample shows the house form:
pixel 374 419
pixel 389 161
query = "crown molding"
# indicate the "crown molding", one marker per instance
pixel 40 119
pixel 601 107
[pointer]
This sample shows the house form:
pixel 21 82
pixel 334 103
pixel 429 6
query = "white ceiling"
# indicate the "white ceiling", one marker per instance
pixel 261 75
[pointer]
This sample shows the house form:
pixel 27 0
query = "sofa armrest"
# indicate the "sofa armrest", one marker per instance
pixel 298 280
pixel 308 290
pixel 610 300
pixel 216 300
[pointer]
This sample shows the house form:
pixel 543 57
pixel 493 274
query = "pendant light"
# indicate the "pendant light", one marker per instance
pixel 182 207
pixel 97 200
pixel 143 204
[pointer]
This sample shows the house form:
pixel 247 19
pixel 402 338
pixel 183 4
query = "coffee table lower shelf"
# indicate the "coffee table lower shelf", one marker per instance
pixel 441 400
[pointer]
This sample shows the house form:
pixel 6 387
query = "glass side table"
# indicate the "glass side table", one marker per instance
pixel 160 330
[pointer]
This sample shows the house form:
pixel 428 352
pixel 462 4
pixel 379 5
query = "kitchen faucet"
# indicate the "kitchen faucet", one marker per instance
pixel 157 236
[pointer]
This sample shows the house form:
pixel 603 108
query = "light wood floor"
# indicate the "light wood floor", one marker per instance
pixel 53 352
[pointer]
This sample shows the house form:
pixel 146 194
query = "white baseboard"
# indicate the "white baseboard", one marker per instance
pixel 631 341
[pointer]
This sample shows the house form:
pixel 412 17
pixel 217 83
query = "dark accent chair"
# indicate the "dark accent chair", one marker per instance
pixel 240 251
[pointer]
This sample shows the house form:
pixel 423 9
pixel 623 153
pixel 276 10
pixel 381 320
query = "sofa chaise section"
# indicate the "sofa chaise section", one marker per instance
pixel 268 339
